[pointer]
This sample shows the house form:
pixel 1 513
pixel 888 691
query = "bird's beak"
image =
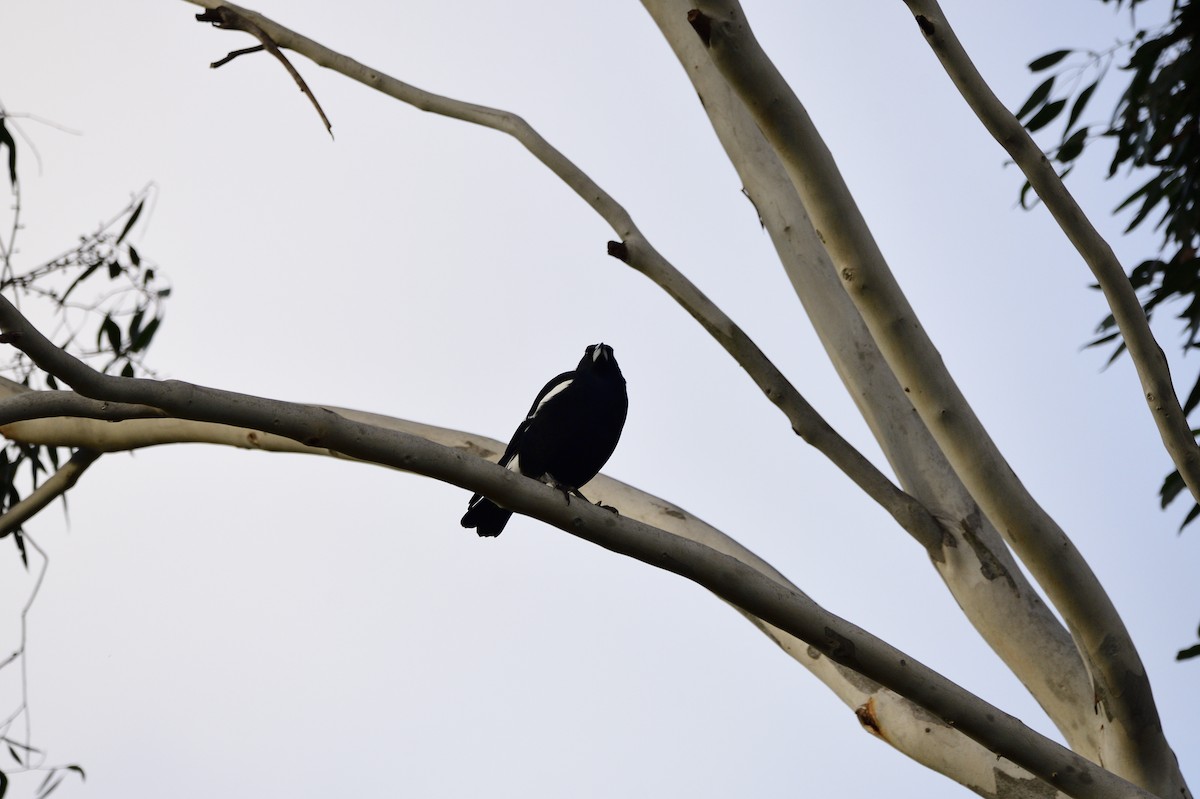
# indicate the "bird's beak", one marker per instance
pixel 598 353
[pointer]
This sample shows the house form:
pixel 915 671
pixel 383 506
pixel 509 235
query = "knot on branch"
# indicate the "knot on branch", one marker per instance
pixel 702 24
pixel 619 250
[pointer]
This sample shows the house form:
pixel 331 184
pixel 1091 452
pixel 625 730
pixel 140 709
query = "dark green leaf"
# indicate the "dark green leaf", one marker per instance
pixel 100 331
pixel 1116 354
pixel 51 382
pixel 1193 399
pixel 1184 654
pixel 1145 187
pixel 1045 116
pixel 134 257
pixel 35 461
pixel 135 324
pixel 20 539
pixel 1192 514
pixel 1048 60
pixel 127 370
pixel 1153 197
pixel 1038 97
pixel 3 784
pixel 1025 191
pixel 1103 339
pixel 1073 146
pixel 1080 102
pixel 78 770
pixel 86 274
pixel 132 219
pixel 114 270
pixel 12 751
pixel 1171 487
pixel 143 337
pixel 6 140
pixel 113 333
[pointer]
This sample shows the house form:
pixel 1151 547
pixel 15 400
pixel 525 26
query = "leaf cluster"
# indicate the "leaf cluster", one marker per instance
pixel 1155 130
pixel 103 301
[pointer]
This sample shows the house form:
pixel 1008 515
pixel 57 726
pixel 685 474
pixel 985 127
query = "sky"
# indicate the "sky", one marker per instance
pixel 221 622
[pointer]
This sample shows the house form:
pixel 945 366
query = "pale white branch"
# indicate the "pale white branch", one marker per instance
pixel 743 585
pixel 636 250
pixel 59 483
pixel 903 724
pixel 1133 743
pixel 976 565
pixel 1147 356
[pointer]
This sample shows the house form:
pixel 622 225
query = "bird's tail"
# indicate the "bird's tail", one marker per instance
pixel 486 517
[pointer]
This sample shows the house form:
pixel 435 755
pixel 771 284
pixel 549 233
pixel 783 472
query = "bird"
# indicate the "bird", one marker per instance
pixel 568 435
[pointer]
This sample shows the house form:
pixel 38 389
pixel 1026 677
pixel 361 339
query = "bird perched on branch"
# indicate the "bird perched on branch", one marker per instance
pixel 570 432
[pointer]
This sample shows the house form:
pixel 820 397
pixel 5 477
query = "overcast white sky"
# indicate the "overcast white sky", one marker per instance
pixel 224 623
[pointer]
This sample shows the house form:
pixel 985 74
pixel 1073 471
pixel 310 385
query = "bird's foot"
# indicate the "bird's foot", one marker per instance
pixel 608 508
pixel 567 491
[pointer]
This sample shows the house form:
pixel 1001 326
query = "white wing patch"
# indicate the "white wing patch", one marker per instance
pixel 552 392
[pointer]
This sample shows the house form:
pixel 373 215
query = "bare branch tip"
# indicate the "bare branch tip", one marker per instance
pixel 256 49
pixel 618 250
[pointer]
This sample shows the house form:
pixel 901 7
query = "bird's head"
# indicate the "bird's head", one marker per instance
pixel 598 352
pixel 599 358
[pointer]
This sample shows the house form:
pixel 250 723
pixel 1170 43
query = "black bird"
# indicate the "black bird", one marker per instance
pixel 570 432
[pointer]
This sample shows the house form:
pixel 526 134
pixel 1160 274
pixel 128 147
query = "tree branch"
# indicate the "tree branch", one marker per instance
pixel 744 586
pixel 1134 744
pixel 55 486
pixel 636 250
pixel 1148 358
pixel 228 19
pixel 904 725
pixel 976 564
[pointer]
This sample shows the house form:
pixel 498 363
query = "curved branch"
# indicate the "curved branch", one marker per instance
pixel 1148 358
pixel 904 725
pixel 743 585
pixel 635 250
pixel 976 566
pixel 1133 742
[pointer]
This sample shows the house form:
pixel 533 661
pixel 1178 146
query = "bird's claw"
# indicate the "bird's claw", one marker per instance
pixel 567 491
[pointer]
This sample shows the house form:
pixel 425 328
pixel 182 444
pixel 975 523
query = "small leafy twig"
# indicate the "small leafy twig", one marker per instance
pixel 57 485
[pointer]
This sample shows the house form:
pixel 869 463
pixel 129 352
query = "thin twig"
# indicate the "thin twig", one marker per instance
pixel 258 48
pixel 20 654
pixel 229 18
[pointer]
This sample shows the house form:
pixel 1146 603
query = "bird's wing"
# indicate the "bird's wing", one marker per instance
pixel 555 386
pixel 549 390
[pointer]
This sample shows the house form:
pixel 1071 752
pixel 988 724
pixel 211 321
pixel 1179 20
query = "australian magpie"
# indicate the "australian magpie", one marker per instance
pixel 570 432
